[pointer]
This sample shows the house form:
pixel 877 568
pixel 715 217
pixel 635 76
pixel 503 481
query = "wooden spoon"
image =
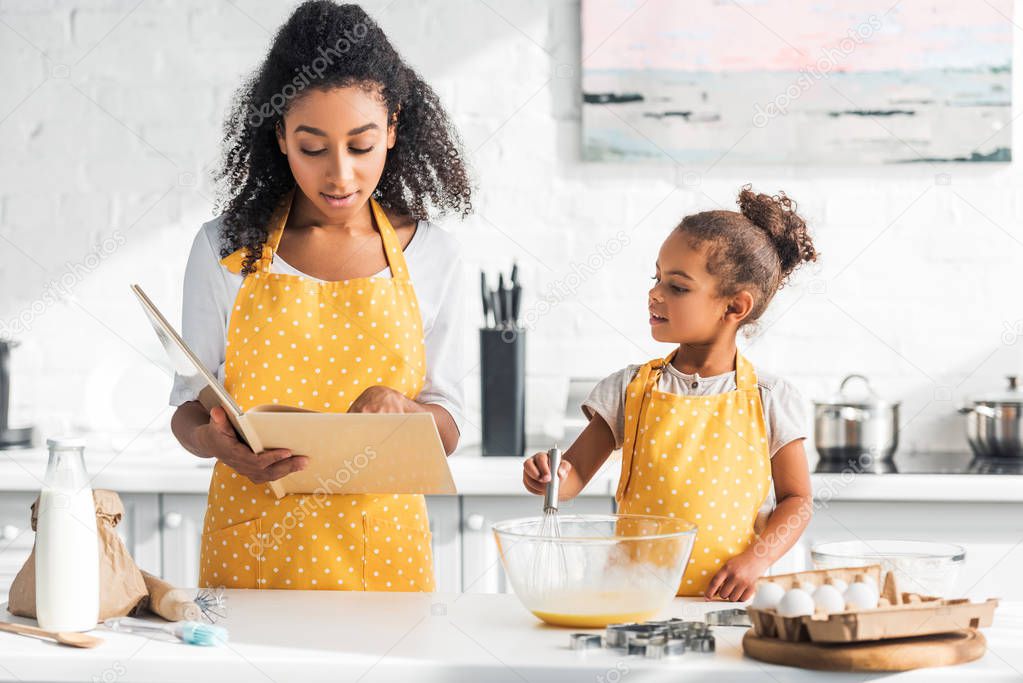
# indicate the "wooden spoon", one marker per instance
pixel 63 637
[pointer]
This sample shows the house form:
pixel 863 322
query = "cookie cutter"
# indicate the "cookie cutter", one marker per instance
pixel 586 641
pixel 702 644
pixel 671 647
pixel 659 639
pixel 728 617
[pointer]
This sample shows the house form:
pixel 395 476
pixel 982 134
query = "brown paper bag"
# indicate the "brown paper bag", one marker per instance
pixel 121 587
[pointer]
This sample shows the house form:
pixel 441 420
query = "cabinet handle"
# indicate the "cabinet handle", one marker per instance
pixel 474 522
pixel 10 532
pixel 172 520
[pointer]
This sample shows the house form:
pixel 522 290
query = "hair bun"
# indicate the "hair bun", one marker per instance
pixel 776 215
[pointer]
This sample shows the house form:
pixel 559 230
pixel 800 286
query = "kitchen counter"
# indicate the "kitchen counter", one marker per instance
pixel 175 470
pixel 167 468
pixel 164 491
pixel 347 636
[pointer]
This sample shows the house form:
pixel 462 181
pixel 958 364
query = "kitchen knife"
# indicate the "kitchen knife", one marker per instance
pixel 500 300
pixel 495 306
pixel 506 302
pixel 516 300
pixel 485 297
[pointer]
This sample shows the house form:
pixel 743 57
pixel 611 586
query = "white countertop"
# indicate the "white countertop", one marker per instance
pixel 175 470
pixel 163 467
pixel 349 636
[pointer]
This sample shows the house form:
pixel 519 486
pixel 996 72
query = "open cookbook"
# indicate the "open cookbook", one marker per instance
pixel 348 452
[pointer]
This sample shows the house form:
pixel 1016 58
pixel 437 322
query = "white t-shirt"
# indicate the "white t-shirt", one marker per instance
pixel 435 266
pixel 785 411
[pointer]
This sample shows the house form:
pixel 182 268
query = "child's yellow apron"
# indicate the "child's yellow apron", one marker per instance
pixel 317 345
pixel 702 458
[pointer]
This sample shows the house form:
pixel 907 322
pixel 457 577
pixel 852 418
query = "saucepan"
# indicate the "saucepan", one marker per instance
pixel 848 427
pixel 994 423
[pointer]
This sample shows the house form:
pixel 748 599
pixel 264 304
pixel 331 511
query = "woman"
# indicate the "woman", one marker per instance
pixel 302 293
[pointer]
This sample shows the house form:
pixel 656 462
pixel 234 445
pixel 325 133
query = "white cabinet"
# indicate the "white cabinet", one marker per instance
pixel 445 520
pixel 481 564
pixel 139 529
pixel 163 533
pixel 181 519
pixel 16 536
pixel 991 534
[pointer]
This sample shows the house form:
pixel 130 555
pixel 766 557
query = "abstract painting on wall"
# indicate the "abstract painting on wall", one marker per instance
pixel 838 82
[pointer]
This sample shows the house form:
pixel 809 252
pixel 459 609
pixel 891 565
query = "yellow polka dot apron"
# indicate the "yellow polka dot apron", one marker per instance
pixel 317 345
pixel 702 458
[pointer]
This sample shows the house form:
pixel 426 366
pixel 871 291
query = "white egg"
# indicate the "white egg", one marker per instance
pixel 796 603
pixel 808 586
pixel 839 585
pixel 861 595
pixel 828 599
pixel 769 594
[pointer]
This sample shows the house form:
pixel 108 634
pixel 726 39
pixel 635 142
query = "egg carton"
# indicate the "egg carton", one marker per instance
pixel 898 615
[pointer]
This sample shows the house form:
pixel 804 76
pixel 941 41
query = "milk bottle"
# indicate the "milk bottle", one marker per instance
pixel 67 544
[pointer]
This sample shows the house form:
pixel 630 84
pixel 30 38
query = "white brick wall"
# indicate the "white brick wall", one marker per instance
pixel 110 119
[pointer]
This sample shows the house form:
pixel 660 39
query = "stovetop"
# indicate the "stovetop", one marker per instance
pixel 957 462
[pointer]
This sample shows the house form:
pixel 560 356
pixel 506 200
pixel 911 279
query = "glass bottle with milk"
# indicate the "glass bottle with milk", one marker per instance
pixel 67 544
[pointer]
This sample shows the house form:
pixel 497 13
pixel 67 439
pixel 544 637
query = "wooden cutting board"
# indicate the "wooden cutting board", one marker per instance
pixel 898 654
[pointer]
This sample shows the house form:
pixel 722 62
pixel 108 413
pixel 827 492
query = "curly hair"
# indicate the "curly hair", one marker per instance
pixel 324 45
pixel 755 248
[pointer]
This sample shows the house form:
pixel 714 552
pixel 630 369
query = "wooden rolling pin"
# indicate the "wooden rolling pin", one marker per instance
pixel 173 604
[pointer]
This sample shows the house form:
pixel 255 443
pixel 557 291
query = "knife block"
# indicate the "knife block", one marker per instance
pixel 503 391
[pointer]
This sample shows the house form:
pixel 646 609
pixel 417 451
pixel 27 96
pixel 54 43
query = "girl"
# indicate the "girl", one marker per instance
pixel 702 435
pixel 323 286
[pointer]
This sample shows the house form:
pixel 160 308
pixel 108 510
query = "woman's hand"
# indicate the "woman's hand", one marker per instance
pixel 736 580
pixel 381 399
pixel 217 439
pixel 536 472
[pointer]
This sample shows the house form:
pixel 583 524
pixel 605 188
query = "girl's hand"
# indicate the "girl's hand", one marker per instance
pixel 536 472
pixel 217 439
pixel 381 399
pixel 736 580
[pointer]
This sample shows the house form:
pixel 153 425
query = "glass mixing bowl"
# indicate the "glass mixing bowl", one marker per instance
pixel 920 566
pixel 588 571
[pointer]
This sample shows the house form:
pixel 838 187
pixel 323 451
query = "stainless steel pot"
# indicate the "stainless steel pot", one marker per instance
pixel 10 437
pixel 994 423
pixel 846 428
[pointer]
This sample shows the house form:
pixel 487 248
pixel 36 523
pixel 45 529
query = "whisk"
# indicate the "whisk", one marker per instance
pixel 549 562
pixel 212 603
